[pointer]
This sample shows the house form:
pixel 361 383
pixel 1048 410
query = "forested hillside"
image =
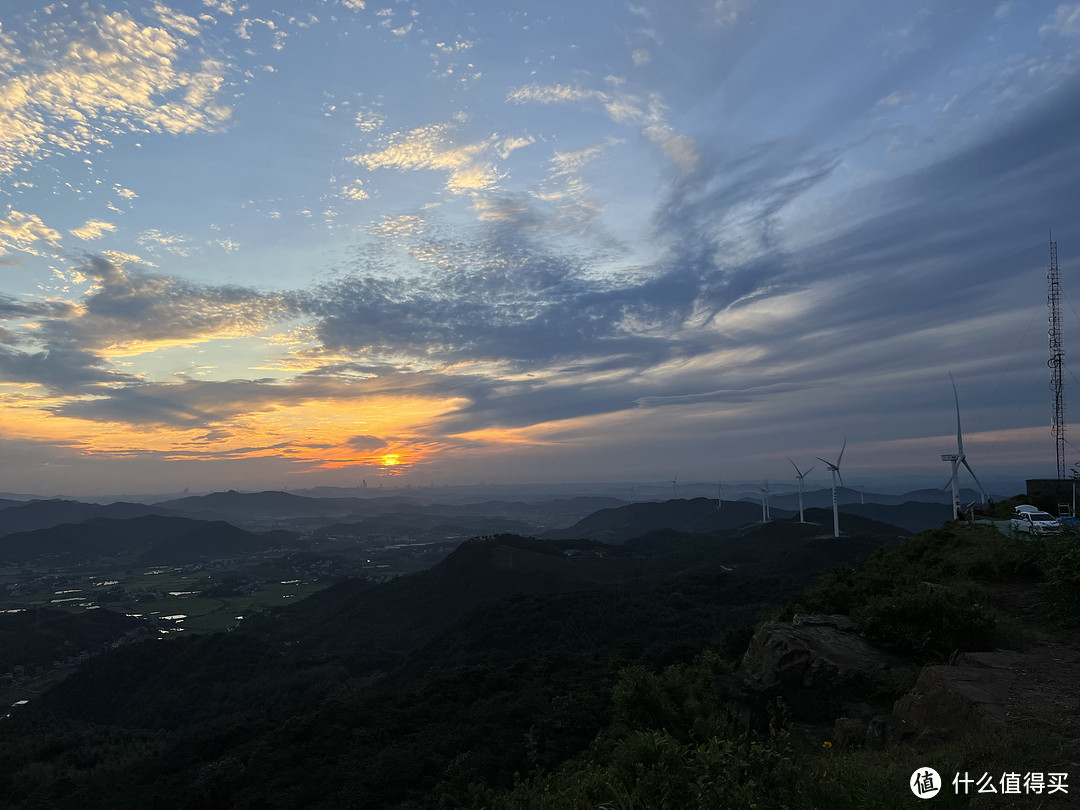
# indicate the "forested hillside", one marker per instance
pixel 516 673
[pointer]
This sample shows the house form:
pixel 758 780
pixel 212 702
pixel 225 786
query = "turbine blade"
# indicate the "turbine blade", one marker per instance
pixel 949 483
pixel 796 466
pixel 959 435
pixel 838 475
pixel 981 490
pixel 842 449
pixel 807 472
pixel 823 461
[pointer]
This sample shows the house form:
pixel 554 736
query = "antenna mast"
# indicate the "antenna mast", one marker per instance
pixel 1057 357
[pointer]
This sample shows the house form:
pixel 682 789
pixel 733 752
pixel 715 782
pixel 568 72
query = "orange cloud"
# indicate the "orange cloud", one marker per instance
pixel 316 435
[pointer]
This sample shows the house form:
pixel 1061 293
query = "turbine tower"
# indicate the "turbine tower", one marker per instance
pixel 800 476
pixel 958 458
pixel 719 495
pixel 1057 358
pixel 834 470
pixel 764 503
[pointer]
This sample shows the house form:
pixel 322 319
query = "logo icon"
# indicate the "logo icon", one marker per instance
pixel 925 783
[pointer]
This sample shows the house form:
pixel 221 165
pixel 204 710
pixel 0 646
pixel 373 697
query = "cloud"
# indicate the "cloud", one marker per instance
pixel 129 312
pixel 62 369
pixel 367 442
pixel 894 99
pixel 641 57
pixel 740 310
pixel 25 233
pixel 92 229
pixel 354 191
pixel 1066 21
pixel 92 74
pixel 432 148
pixel 622 107
pixel 156 240
pixel 725 13
pixel 67 347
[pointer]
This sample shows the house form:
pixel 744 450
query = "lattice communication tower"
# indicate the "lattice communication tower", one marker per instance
pixel 1057 358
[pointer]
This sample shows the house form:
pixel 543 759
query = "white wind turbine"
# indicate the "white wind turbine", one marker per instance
pixel 766 515
pixel 834 469
pixel 800 476
pixel 720 495
pixel 675 486
pixel 958 458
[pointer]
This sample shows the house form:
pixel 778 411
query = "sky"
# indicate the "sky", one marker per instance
pixel 248 245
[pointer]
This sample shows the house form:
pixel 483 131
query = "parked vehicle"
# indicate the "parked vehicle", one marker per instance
pixel 1031 520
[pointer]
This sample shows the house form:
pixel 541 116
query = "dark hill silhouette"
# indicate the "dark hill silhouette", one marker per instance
pixel 559 508
pixel 213 540
pixel 847 496
pixel 435 524
pixel 506 650
pixel 270 503
pixel 853 524
pixel 39 636
pixel 381 621
pixel 176 539
pixel 912 515
pixel 633 520
pixel 441 521
pixel 28 516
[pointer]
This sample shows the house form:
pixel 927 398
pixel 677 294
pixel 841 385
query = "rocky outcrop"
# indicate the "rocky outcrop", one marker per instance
pixel 968 696
pixel 816 667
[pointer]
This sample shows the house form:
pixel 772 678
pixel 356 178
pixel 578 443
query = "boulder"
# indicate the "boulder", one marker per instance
pixel 813 667
pixel 968 696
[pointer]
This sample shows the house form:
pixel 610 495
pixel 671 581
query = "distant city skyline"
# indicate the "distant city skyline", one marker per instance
pixel 255 248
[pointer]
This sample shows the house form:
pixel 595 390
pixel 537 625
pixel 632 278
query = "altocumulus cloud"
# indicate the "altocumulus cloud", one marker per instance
pixel 93 74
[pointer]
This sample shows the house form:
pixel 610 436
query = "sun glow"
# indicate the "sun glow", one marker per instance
pixel 312 435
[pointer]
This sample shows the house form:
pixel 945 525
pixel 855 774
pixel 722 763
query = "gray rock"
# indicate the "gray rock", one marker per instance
pixel 887 731
pixel 968 697
pixel 812 667
pixel 835 620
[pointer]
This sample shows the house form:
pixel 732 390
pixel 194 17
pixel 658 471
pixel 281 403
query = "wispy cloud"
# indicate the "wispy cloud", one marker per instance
pixel 1066 21
pixel 469 166
pixel 621 106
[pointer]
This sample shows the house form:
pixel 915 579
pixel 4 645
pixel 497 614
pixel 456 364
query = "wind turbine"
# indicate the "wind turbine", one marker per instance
pixel 800 476
pixel 719 495
pixel 766 514
pixel 834 469
pixel 958 458
pixel 675 486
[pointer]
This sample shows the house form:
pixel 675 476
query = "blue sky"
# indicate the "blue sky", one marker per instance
pixel 259 247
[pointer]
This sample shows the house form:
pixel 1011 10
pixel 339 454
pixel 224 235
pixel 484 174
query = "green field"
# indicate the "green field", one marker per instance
pixel 202 614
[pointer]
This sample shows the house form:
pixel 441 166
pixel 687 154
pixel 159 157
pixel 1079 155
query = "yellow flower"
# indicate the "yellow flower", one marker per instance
pixel 826 744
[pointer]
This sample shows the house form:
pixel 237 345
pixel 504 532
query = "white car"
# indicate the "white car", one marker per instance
pixel 1029 519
